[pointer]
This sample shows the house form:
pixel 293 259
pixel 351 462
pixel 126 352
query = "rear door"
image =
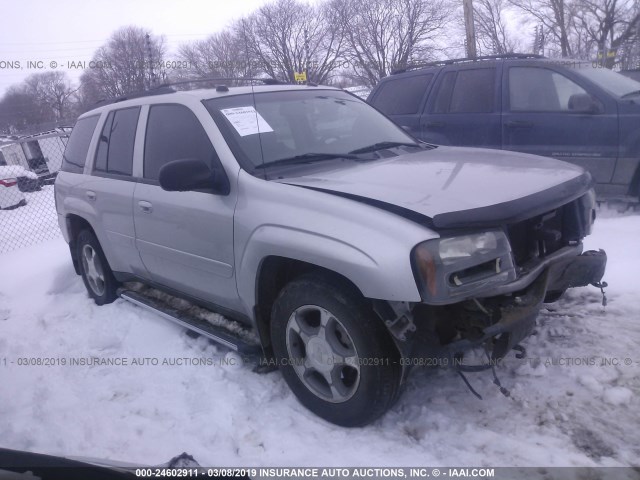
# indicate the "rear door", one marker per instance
pixel 109 189
pixel 464 109
pixel 539 118
pixel 402 99
pixel 185 239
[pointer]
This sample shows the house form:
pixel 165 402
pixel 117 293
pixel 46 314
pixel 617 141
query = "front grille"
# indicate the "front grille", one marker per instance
pixel 539 236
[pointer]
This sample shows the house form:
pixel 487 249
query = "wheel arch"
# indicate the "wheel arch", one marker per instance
pixel 75 224
pixel 273 274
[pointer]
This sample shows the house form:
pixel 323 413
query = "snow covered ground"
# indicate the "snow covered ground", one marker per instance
pixel 566 408
pixel 35 222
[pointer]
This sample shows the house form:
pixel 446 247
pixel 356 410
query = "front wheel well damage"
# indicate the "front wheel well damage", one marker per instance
pixel 274 274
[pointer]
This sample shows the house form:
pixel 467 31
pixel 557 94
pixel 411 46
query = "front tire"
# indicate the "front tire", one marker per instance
pixel 334 352
pixel 94 268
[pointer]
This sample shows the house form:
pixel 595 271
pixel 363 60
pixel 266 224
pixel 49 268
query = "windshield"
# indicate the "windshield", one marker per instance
pixel 611 81
pixel 301 124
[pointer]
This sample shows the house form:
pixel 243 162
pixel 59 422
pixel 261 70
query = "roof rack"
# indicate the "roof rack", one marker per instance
pixel 166 88
pixel 161 90
pixel 439 63
pixel 266 81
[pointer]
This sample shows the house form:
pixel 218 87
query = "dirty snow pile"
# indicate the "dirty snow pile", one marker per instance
pixel 575 400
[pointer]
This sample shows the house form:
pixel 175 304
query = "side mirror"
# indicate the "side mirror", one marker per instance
pixel 191 174
pixel 583 102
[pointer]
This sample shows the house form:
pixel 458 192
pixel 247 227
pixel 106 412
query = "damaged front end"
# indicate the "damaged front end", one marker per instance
pixel 485 290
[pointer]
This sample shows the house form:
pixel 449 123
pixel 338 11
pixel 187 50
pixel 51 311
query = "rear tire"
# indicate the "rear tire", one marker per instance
pixel 94 268
pixel 334 352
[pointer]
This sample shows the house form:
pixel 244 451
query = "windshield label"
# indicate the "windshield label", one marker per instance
pixel 246 120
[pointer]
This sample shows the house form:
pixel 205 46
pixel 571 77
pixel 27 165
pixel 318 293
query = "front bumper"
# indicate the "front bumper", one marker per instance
pixel 507 317
pixel 568 268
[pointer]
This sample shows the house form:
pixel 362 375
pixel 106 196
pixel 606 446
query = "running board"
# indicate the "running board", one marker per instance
pixel 202 327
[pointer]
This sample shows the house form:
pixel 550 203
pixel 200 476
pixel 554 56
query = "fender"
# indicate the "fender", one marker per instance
pixel 375 278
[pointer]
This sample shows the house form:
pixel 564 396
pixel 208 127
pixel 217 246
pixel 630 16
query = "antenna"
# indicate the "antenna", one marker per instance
pixel 253 93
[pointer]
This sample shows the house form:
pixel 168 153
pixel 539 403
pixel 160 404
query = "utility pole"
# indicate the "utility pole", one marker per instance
pixel 306 54
pixel 152 75
pixel 469 28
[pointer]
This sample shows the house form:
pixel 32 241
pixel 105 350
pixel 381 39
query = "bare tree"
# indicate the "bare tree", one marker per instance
pixel 384 35
pixel 52 90
pixel 491 27
pixel 223 54
pixel 42 99
pixel 608 24
pixel 122 65
pixel 279 35
pixel 20 109
pixel 555 16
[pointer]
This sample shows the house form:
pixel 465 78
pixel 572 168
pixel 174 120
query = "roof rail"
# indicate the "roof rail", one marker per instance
pixel 439 63
pixel 160 90
pixel 266 81
pixel 166 88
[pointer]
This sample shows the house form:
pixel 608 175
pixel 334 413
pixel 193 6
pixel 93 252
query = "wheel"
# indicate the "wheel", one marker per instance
pixel 334 352
pixel 554 296
pixel 95 271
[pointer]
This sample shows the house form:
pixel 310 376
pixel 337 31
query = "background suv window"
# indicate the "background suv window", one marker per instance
pixel 75 154
pixel 402 96
pixel 115 147
pixel 174 133
pixel 540 90
pixel 467 91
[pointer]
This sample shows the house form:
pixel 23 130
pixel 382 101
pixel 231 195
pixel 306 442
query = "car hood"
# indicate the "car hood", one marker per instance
pixel 451 187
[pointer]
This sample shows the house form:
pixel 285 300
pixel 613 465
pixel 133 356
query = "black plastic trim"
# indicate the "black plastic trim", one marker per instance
pixel 516 210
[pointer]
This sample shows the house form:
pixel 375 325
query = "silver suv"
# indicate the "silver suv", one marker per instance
pixel 348 250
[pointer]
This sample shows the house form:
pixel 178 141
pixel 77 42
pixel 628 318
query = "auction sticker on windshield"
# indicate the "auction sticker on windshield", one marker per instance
pixel 246 120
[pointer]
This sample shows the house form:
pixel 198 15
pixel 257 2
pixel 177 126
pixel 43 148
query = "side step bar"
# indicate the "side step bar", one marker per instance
pixel 202 327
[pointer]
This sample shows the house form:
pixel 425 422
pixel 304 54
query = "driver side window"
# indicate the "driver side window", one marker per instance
pixel 174 133
pixel 533 89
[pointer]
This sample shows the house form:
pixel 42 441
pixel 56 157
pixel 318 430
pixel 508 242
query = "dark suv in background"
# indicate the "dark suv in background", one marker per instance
pixel 567 109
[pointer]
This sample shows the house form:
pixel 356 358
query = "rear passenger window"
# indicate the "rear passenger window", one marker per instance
pixel 402 96
pixel 115 147
pixel 75 154
pixel 472 91
pixel 444 93
pixel 174 133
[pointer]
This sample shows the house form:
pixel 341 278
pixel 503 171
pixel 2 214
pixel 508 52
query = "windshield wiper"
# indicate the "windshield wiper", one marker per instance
pixel 631 94
pixel 307 158
pixel 383 145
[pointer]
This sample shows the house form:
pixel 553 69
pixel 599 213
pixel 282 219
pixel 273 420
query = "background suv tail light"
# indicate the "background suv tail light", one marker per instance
pixel 8 183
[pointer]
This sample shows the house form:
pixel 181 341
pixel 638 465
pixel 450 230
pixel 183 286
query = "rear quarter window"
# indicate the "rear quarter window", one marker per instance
pixel 75 155
pixel 402 96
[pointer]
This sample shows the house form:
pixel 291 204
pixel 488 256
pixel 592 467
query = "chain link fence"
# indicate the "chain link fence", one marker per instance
pixel 28 167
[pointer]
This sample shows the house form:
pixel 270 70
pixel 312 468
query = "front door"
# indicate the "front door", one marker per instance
pixel 540 117
pixel 185 239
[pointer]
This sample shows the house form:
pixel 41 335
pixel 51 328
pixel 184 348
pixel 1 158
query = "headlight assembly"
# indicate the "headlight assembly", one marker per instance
pixel 449 269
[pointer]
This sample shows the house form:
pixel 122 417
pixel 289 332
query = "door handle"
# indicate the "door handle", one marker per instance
pixel 91 195
pixel 518 124
pixel 434 124
pixel 146 207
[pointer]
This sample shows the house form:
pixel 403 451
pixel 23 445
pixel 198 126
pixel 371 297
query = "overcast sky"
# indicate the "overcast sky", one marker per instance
pixel 66 30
